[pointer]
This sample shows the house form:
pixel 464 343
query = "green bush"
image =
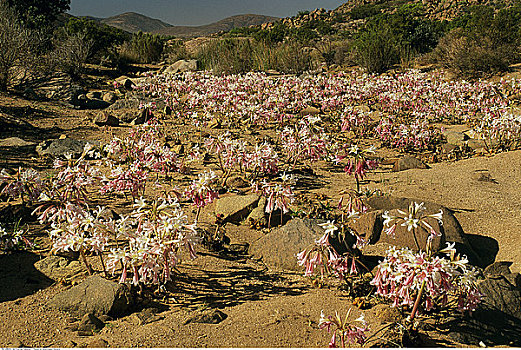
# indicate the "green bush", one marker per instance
pixel 376 49
pixel 142 48
pixel 72 52
pixel 364 11
pixel 228 56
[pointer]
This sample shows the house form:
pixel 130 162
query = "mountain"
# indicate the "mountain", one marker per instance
pixel 134 22
pixel 226 25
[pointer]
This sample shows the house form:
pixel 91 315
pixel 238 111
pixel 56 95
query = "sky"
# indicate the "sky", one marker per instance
pixel 197 12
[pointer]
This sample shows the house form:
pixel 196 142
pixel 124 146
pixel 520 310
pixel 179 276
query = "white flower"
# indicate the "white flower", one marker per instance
pixel 329 226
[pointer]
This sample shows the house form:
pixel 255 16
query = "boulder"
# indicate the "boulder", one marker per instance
pixel 310 110
pixel 124 81
pixel 455 138
pixel 497 320
pixel 59 268
pixel 235 208
pixel 258 215
pixel 61 147
pixel 95 295
pixel 181 66
pixel 95 103
pixel 407 163
pixel 106 119
pixel 451 228
pixel 279 248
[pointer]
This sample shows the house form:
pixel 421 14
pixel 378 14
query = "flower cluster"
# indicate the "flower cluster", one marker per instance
pixel 402 274
pixel 344 331
pixel 23 182
pixel 14 240
pixel 200 191
pixel 303 142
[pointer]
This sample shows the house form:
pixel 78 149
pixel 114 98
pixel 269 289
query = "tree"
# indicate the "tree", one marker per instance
pixel 39 13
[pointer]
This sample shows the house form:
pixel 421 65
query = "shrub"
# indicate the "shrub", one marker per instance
pixel 376 49
pixel 142 48
pixel 16 45
pixel 229 56
pixel 72 52
pixel 175 50
pixel 472 55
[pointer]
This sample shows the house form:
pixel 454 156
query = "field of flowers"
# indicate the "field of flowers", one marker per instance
pixel 267 130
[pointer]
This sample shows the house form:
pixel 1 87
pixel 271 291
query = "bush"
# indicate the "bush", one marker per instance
pixel 142 48
pixel 175 50
pixel 376 49
pixel 472 55
pixel 17 45
pixel 104 38
pixel 229 56
pixel 71 53
pixel 364 11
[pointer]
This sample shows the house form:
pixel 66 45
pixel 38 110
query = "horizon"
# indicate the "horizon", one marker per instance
pixel 196 13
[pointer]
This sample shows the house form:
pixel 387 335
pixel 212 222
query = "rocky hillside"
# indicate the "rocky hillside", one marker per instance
pixel 225 25
pixel 134 22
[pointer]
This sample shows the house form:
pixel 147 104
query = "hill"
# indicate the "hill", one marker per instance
pixel 226 24
pixel 134 22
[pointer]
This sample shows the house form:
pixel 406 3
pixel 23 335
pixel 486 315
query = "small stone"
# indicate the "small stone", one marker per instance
pixel 210 317
pixel 257 216
pixel 16 142
pixel 178 149
pixel 407 163
pixel 89 322
pixel 236 182
pixel 109 97
pixel 93 95
pixel 144 116
pixel 476 144
pixel 448 148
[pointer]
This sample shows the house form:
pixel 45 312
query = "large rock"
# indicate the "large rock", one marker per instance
pixel 497 321
pixel 257 217
pixel 181 66
pixel 124 81
pixel 106 119
pixel 407 163
pixel 280 247
pixel 451 228
pixel 235 208
pixel 455 138
pixel 95 295
pixel 310 110
pixel 61 147
pixel 58 268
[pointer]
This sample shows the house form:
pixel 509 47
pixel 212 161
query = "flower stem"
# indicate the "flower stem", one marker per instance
pixel 89 268
pixel 417 302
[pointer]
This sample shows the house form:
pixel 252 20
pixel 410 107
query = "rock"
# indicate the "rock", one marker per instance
pixel 98 343
pixel 257 216
pixel 124 81
pixel 452 230
pixel 476 144
pixel 181 66
pixel 106 119
pixel 369 225
pixel 178 149
pixel 448 148
pixel 144 116
pixel 58 268
pixel 310 110
pixel 89 322
pixel 414 240
pixel 483 176
pixel 407 163
pixel 109 97
pixel 235 208
pixel 455 137
pixel 61 147
pixel 93 95
pixel 18 143
pixel 95 103
pixel 210 317
pixel 279 248
pixel 498 268
pixel 237 182
pixel 167 110
pixel 497 320
pixel 146 316
pixel 124 115
pixel 94 295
